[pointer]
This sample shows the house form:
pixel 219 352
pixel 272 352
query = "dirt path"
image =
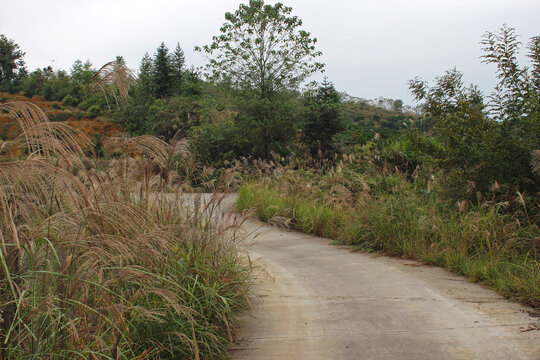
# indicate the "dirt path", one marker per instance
pixel 325 302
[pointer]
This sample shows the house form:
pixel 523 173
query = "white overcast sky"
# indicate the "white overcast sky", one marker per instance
pixel 370 47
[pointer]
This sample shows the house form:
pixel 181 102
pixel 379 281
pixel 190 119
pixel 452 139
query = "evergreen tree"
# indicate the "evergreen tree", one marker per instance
pixel 82 73
pixel 22 73
pixel 146 77
pixel 178 61
pixel 162 80
pixel 323 108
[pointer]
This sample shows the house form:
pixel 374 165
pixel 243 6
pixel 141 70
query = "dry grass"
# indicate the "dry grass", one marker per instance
pixel 42 138
pixel 96 264
pixel 113 79
pixel 385 212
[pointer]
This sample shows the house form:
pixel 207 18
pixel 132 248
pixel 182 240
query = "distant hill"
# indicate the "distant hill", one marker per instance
pixel 381 118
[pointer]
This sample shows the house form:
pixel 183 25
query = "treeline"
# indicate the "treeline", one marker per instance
pixel 223 122
pixel 489 146
pixel 248 103
pixel 67 89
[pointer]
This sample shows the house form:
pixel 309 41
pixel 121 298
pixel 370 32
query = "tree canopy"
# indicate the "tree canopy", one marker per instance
pixel 12 67
pixel 322 121
pixel 493 141
pixel 263 48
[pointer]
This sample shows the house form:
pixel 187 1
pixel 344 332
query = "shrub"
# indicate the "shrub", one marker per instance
pixel 94 111
pixel 216 143
pixel 59 116
pixel 70 100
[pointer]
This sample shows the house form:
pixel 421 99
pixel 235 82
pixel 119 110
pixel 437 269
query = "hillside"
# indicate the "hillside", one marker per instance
pixel 56 112
pixel 383 116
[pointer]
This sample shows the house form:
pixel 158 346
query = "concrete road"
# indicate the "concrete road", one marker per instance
pixel 319 301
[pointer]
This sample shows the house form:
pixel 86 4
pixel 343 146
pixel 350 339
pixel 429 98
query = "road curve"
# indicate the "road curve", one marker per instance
pixel 319 301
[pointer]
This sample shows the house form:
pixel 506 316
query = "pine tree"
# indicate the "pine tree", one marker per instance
pixel 177 60
pixel 145 83
pixel 322 119
pixel 22 73
pixel 162 72
pixel 81 73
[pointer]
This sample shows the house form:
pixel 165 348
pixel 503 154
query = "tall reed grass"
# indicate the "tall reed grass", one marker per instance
pixel 385 212
pixel 110 261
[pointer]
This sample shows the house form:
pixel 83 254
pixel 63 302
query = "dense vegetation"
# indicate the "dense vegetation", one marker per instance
pixel 234 108
pixel 109 259
pixel 383 211
pixel 105 256
pixel 463 195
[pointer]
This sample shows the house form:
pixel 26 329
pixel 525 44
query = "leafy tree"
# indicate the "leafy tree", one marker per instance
pixel 323 108
pixel 263 52
pixel 263 48
pixel 458 116
pixel 48 72
pixel 516 101
pixel 12 67
pixel 57 86
pixel 33 83
pixel 48 84
pixel 483 144
pixel 397 105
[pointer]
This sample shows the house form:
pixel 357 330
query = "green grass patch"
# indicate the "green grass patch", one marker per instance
pixel 395 218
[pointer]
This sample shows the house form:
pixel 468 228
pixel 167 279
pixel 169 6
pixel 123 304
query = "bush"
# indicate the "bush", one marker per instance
pixel 216 143
pixel 94 111
pixel 79 115
pixel 59 116
pixel 411 150
pixel 70 100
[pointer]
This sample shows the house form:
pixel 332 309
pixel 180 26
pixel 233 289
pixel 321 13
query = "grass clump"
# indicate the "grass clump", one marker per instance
pixel 386 212
pixel 110 261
